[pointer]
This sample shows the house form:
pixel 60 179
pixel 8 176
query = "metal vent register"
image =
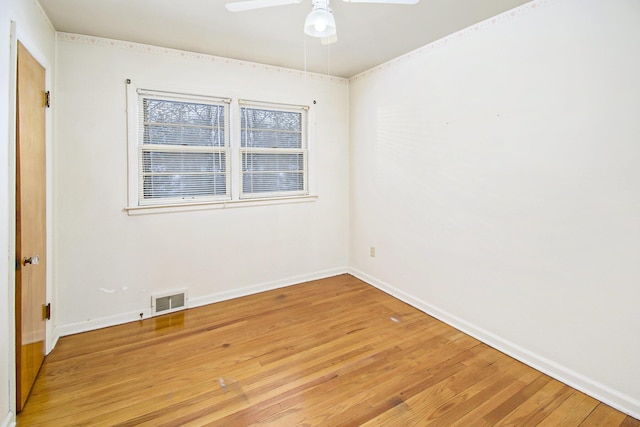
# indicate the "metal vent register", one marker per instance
pixel 168 302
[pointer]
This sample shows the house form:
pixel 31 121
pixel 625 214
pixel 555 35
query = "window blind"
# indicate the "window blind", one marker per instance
pixel 183 147
pixel 273 149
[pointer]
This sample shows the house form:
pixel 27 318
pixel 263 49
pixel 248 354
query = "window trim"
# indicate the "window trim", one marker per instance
pixel 234 159
pixel 135 129
pixel 136 115
pixel 304 150
pixel 222 204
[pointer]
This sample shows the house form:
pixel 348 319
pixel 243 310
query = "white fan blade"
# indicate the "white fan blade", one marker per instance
pixel 383 1
pixel 241 6
pixel 329 40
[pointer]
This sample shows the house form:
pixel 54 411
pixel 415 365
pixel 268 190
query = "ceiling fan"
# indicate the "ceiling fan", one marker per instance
pixel 319 22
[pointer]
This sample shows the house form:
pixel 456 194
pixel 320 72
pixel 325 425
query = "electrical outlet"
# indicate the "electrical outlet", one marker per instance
pixel 372 251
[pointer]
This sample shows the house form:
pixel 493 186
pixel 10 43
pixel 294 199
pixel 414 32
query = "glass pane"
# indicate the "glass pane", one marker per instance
pixel 272 182
pixel 255 118
pixel 270 129
pixel 177 112
pixel 161 162
pixel 183 123
pixel 270 139
pixel 184 186
pixel 254 162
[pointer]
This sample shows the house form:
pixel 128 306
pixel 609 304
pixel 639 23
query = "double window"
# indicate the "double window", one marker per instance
pixel 187 151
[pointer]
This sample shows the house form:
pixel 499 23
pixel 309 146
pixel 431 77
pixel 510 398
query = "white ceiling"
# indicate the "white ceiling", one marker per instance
pixel 368 34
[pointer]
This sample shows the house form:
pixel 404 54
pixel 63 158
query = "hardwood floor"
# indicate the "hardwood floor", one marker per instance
pixel 329 352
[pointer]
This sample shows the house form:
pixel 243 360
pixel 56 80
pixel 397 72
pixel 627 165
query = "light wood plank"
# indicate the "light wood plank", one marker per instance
pixel 603 415
pixel 572 411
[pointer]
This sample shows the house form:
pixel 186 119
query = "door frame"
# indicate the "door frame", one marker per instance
pixel 30 43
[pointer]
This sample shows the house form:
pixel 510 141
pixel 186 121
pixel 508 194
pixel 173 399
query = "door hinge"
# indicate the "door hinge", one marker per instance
pixel 18 265
pixel 47 99
pixel 46 312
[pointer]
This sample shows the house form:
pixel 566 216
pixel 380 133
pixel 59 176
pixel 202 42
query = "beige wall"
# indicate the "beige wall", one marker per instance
pixel 496 173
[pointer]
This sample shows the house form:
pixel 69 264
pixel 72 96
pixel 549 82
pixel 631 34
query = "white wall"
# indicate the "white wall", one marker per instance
pixel 109 263
pixel 7 347
pixel 34 31
pixel 496 173
pixel 6 293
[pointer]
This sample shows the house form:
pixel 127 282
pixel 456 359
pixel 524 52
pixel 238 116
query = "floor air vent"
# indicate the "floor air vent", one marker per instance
pixel 168 302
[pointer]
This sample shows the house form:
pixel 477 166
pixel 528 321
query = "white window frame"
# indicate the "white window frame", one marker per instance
pixel 233 157
pixel 136 146
pixel 304 150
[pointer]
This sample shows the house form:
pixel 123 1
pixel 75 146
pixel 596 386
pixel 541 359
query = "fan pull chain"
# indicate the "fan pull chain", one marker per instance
pixel 328 59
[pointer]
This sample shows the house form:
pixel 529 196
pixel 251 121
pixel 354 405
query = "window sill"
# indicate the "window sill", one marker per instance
pixel 225 204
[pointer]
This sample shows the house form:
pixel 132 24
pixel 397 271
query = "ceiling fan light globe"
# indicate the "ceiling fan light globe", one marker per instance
pixel 320 23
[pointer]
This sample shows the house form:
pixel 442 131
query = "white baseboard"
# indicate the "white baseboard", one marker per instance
pixel 9 420
pixel 620 401
pixel 267 286
pixel 53 340
pixel 98 323
pixel 104 322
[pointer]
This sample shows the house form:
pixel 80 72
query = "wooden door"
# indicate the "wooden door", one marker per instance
pixel 30 223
